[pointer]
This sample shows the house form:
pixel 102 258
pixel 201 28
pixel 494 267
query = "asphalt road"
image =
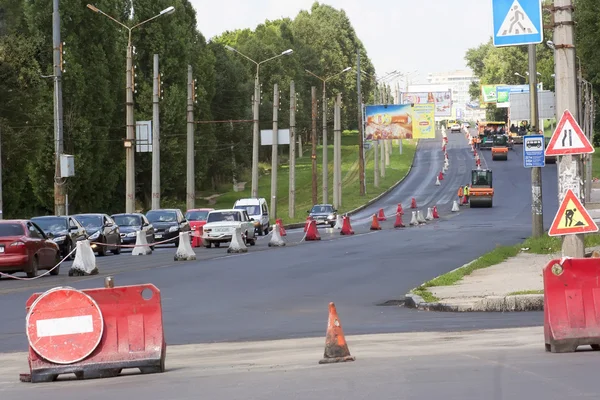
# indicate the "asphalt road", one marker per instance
pixel 271 293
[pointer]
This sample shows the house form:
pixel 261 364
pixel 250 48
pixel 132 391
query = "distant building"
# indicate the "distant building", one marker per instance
pixel 458 82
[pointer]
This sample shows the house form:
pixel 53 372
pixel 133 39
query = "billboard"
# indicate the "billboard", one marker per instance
pixel 488 93
pixel 442 100
pixel 400 121
pixel 499 94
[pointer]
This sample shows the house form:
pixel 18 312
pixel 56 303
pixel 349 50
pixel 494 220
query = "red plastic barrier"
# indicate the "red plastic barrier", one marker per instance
pixel 118 328
pixel 197 237
pixel 572 304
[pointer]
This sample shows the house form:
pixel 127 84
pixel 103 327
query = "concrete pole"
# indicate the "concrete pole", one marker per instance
pixel 314 144
pixel 537 212
pixel 59 184
pixel 590 112
pixel 130 149
pixel 292 161
pixel 1 203
pixel 255 135
pixel 335 155
pixel 325 150
pixel 361 148
pixel 338 150
pixel 382 158
pixel 155 137
pixel 376 162
pixel 274 152
pixel 191 179
pixel 566 99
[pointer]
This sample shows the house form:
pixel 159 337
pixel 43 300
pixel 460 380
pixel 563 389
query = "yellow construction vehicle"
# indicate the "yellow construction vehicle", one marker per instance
pixel 481 192
pixel 500 148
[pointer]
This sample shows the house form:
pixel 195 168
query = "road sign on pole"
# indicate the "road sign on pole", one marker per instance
pixel 533 151
pixel 572 218
pixel 517 22
pixel 568 138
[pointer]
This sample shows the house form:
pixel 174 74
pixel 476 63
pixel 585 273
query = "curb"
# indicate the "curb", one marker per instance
pixel 526 302
pixel 372 201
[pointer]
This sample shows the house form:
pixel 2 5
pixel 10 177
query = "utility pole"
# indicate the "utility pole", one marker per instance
pixel 255 135
pixel 566 99
pixel 1 204
pixel 314 144
pixel 337 154
pixel 537 211
pixel 155 137
pixel 274 152
pixel 130 143
pixel 361 145
pixel 59 184
pixel 325 149
pixel 376 162
pixel 292 161
pixel 191 189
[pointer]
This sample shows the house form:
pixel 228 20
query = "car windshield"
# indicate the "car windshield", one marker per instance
pixel 162 216
pixel 128 220
pixel 52 225
pixel 11 229
pixel 90 222
pixel 223 216
pixel 321 209
pixel 196 215
pixel 251 210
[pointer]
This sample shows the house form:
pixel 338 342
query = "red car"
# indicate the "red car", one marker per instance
pixel 25 248
pixel 197 217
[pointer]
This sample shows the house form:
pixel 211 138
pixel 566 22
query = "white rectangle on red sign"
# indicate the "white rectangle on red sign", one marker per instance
pixel 64 326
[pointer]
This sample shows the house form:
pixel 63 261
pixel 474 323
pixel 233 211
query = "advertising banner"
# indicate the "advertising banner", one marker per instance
pixel 424 121
pixel 442 100
pixel 499 94
pixel 488 93
pixel 400 121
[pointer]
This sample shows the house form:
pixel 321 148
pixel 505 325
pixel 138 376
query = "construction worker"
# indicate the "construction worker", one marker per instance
pixel 460 194
pixel 466 194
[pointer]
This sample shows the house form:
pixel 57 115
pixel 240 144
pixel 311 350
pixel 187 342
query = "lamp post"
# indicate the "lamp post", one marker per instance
pixel 130 136
pixel 325 149
pixel 255 132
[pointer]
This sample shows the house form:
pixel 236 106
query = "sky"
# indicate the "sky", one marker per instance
pixel 427 36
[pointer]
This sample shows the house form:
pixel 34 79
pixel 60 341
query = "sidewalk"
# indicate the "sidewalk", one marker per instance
pixel 513 285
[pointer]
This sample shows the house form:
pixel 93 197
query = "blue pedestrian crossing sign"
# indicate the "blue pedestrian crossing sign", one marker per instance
pixel 517 22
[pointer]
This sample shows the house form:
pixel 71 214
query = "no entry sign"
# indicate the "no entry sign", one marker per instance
pixel 64 325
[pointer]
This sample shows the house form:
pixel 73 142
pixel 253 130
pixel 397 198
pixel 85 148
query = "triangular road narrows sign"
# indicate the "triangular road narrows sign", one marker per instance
pixel 568 138
pixel 572 218
pixel 517 22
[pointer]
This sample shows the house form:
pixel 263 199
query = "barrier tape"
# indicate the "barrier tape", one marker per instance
pixel 39 276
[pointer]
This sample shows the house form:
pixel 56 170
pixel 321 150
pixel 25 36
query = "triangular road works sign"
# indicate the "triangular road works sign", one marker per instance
pixel 568 138
pixel 572 218
pixel 516 22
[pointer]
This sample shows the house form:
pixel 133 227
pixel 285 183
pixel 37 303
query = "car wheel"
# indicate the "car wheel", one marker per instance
pixel 101 249
pixel 34 268
pixel 332 224
pixel 260 232
pixel 252 242
pixel 267 229
pixel 57 259
pixel 217 244
pixel 206 244
pixel 117 250
pixel 69 249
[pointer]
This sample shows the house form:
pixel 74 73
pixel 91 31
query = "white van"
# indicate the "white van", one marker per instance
pixel 258 210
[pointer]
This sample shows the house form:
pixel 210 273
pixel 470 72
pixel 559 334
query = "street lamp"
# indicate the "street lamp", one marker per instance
pixel 255 108
pixel 325 150
pixel 130 132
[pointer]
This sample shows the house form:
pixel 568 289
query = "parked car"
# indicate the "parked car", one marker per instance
pixel 258 210
pixel 455 128
pixel 197 217
pixel 65 231
pixel 323 214
pixel 168 223
pixel 129 224
pixel 221 224
pixel 24 247
pixel 101 229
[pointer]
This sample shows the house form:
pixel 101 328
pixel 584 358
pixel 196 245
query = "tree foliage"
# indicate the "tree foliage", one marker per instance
pixel 322 38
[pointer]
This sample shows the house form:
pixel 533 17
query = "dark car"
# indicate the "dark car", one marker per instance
pixel 323 214
pixel 129 224
pixel 24 247
pixel 168 223
pixel 65 231
pixel 102 230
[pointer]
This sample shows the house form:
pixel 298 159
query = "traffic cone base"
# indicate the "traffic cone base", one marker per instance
pixel 346 227
pixel 375 224
pixel 336 348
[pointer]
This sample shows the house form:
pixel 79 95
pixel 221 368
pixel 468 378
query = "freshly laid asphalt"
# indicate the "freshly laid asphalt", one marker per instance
pixel 276 293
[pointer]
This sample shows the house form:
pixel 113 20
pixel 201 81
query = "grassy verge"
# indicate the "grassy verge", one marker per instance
pixel 542 245
pixel 351 199
pixel 596 164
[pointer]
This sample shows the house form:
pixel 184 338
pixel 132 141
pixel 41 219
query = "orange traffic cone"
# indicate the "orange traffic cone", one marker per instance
pixel 399 210
pixel 311 231
pixel 435 212
pixel 336 348
pixel 381 216
pixel 279 224
pixel 399 223
pixel 441 176
pixel 197 237
pixel 308 219
pixel 346 228
pixel 413 203
pixel 375 224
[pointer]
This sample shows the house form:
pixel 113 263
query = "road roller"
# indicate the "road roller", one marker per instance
pixel 500 148
pixel 481 192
